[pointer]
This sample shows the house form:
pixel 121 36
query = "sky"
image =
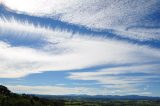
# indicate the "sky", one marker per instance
pixel 92 47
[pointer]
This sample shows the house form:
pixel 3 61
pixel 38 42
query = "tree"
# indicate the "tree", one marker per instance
pixel 4 90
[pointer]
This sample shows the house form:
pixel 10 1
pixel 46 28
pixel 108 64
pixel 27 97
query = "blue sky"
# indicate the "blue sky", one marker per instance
pixel 94 47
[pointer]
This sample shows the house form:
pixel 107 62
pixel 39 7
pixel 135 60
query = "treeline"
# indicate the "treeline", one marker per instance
pixel 25 100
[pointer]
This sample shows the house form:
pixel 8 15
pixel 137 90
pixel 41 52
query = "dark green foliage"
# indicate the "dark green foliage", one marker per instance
pixel 4 90
pixel 21 100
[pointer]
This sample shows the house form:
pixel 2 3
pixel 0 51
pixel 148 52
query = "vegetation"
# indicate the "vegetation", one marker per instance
pixel 7 98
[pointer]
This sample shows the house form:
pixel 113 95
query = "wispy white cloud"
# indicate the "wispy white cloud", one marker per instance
pixel 101 14
pixel 19 29
pixel 38 7
pixel 123 78
pixel 120 75
pixel 107 13
pixel 145 69
pixel 63 52
pixel 140 33
pixel 57 90
pixel 53 90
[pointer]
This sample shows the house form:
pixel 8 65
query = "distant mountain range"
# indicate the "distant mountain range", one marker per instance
pixel 99 97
